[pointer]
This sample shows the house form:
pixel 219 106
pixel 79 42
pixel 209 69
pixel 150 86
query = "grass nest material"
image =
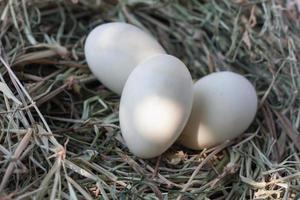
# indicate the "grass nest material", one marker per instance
pixel 60 135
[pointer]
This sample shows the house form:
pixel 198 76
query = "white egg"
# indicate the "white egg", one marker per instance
pixel 113 50
pixel 155 105
pixel 224 106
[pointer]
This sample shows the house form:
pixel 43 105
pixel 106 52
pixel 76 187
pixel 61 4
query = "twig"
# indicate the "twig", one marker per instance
pixel 22 145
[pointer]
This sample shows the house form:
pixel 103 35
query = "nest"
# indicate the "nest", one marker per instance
pixel 60 135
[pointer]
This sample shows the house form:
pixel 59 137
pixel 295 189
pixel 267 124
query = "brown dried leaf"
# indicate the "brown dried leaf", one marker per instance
pixel 175 158
pixel 246 39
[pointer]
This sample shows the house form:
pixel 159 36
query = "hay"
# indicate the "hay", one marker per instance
pixel 60 137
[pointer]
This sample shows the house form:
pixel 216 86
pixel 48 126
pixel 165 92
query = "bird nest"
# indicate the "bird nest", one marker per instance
pixel 60 136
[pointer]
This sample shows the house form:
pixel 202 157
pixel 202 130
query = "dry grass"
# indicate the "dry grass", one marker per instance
pixel 60 136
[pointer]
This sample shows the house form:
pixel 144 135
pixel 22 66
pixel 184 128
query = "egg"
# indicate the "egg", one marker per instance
pixel 114 49
pixel 155 105
pixel 224 106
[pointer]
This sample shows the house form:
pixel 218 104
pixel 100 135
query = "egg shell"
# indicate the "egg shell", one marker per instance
pixel 114 49
pixel 155 105
pixel 224 106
